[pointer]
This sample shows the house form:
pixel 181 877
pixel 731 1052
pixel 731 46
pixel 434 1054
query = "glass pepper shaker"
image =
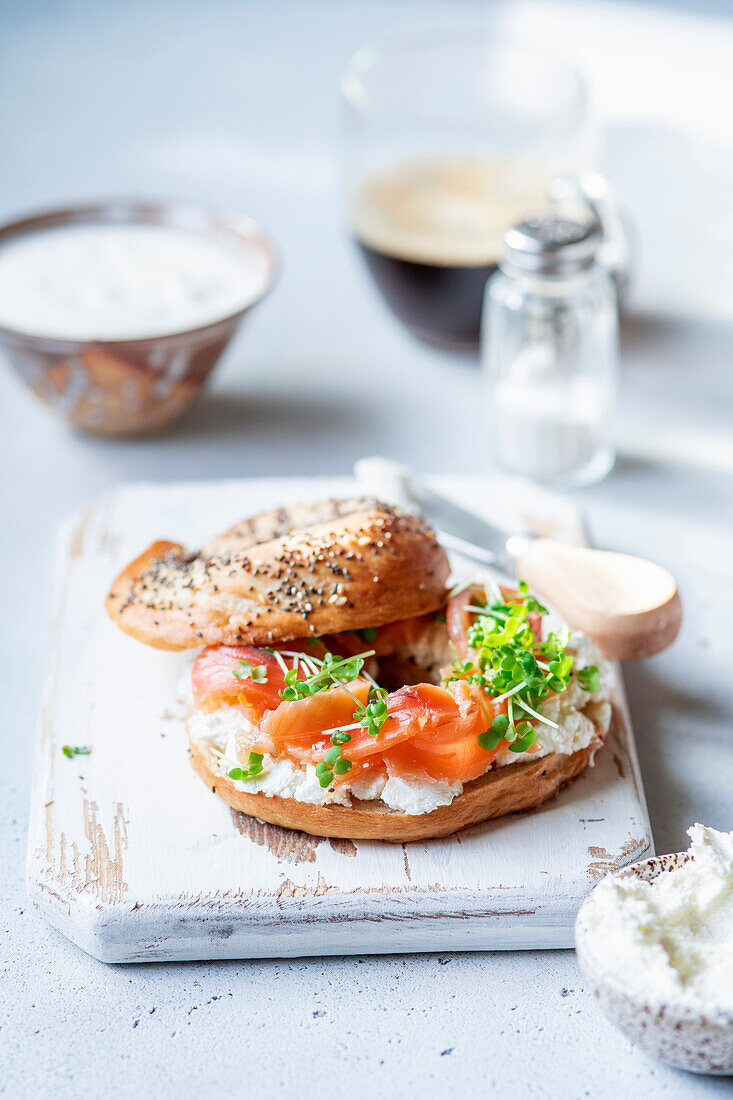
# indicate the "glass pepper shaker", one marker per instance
pixel 550 353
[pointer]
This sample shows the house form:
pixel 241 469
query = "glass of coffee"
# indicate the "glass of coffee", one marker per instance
pixel 449 139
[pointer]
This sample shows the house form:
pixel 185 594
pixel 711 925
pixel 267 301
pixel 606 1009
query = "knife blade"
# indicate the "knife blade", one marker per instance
pixel 458 529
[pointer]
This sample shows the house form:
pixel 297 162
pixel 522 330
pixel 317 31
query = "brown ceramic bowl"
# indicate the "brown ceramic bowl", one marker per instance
pixel 140 386
pixel 700 1042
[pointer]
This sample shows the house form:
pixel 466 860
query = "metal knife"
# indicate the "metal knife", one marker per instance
pixel 458 529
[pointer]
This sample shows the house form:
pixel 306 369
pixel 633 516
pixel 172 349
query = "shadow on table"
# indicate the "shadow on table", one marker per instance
pixel 231 434
pixel 659 706
pixel 223 415
pixel 654 332
pixel 677 186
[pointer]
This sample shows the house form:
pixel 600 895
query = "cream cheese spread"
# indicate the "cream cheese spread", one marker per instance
pixel 123 282
pixel 670 940
pixel 220 728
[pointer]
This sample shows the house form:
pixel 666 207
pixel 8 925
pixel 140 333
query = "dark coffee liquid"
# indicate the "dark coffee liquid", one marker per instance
pixel 431 233
pixel 441 303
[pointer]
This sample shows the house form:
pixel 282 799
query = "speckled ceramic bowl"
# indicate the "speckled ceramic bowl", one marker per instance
pixel 132 386
pixel 678 1035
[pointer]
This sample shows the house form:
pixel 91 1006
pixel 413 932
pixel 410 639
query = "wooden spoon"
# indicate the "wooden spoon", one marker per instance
pixel 629 606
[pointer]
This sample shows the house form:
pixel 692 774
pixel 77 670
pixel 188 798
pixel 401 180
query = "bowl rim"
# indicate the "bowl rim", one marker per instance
pixel 719 1018
pixel 124 210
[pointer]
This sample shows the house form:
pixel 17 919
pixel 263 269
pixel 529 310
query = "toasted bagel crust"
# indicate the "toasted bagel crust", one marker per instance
pixel 521 786
pixel 311 569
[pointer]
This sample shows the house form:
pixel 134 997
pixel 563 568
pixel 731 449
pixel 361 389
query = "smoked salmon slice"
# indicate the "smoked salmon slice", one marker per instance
pixel 310 717
pixel 444 745
pixel 220 676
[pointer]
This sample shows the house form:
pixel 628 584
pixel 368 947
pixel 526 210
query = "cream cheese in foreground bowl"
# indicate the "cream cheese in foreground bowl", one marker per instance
pixel 124 282
pixel 669 941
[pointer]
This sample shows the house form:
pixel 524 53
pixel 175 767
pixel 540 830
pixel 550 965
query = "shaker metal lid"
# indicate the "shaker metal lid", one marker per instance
pixel 549 245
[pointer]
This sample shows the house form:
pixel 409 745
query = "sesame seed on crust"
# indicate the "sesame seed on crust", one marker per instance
pixel 284 574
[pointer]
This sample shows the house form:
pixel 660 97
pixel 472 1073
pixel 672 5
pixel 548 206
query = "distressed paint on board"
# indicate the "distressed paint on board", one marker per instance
pixel 133 858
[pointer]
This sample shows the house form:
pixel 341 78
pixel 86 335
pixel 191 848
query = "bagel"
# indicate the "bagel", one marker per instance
pixel 504 790
pixel 305 570
pixel 329 625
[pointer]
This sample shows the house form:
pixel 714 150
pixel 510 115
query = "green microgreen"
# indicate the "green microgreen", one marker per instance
pixel 328 672
pixel 373 716
pixel 75 750
pixel 252 768
pixel 494 734
pixel 589 678
pixel 324 774
pixel 509 664
pixel 339 737
pixel 334 761
pixel 247 671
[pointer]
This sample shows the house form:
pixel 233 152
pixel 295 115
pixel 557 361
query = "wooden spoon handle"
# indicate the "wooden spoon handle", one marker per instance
pixel 629 606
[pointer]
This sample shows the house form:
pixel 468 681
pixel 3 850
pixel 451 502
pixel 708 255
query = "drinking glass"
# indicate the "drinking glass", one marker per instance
pixel 449 139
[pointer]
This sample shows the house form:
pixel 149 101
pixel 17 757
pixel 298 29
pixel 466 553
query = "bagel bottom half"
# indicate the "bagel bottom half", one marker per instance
pixel 505 790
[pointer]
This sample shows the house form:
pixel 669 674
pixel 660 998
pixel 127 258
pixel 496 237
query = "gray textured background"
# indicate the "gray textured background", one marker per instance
pixel 235 103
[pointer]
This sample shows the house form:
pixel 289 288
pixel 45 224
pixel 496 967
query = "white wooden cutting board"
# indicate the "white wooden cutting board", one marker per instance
pixel 133 858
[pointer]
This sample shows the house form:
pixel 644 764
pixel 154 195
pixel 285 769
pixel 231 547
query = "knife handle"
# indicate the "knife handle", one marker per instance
pixel 629 606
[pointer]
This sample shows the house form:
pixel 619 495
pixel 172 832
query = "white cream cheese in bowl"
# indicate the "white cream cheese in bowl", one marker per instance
pixel 115 313
pixel 123 282
pixel 655 942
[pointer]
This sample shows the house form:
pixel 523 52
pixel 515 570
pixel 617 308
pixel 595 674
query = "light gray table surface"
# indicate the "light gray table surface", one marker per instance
pixel 234 103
